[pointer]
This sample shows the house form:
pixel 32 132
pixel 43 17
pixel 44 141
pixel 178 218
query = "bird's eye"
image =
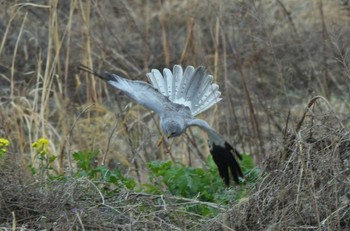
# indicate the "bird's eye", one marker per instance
pixel 172 134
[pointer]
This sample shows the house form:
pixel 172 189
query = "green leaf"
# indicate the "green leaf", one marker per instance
pixel 247 162
pixel 85 159
pixel 52 158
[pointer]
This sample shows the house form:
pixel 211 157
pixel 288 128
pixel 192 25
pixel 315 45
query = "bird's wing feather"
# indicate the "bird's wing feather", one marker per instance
pixel 224 155
pixel 170 84
pixel 185 83
pixel 142 92
pixel 210 97
pixel 177 77
pixel 157 81
pixel 192 88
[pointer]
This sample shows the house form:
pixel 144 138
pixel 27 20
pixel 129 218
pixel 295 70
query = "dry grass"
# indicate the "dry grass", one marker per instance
pixel 306 185
pixel 269 58
pixel 79 205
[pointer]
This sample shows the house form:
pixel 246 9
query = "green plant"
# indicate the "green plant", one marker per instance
pixel 45 157
pixel 251 172
pixel 202 184
pixel 185 181
pixel 87 166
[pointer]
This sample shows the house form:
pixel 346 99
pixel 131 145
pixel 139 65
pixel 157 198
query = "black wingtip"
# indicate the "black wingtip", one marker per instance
pixel 225 158
pixel 106 76
pixel 87 69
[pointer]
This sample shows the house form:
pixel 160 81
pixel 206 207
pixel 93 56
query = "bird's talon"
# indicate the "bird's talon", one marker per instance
pixel 160 141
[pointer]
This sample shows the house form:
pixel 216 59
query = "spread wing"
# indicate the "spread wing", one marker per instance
pixel 192 88
pixel 224 155
pixel 142 92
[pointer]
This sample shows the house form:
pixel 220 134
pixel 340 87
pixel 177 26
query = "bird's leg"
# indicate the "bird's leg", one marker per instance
pixel 168 149
pixel 160 141
pixel 168 146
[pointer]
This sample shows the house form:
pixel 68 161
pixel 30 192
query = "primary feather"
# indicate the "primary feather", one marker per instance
pixel 140 91
pixel 192 88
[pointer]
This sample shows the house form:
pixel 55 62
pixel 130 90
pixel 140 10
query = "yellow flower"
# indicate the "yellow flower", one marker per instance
pixel 41 146
pixel 4 142
pixel 40 142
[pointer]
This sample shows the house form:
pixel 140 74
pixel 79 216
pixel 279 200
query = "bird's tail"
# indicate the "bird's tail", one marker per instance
pixel 225 159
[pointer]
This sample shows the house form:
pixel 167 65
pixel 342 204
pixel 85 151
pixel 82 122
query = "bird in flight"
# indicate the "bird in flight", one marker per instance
pixel 177 97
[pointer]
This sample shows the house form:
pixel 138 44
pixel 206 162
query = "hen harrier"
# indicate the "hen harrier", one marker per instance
pixel 177 97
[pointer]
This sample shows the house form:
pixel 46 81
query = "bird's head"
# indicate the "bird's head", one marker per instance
pixel 172 128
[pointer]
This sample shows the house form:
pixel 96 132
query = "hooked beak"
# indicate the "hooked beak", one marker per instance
pixel 170 136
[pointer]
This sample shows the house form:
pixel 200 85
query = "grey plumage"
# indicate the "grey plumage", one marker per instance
pixel 177 97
